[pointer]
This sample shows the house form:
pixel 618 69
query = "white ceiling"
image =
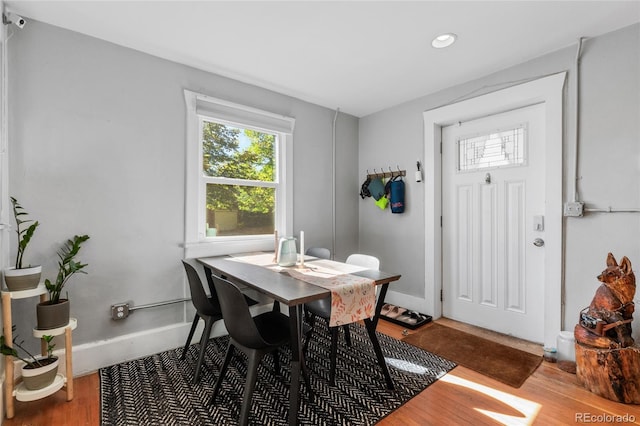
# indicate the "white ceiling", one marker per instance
pixel 358 56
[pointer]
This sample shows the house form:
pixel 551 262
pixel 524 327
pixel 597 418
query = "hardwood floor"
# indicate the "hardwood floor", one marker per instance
pixel 54 410
pixel 550 396
pixel 462 397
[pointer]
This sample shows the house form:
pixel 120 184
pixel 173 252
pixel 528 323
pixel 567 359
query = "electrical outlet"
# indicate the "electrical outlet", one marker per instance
pixel 119 311
pixel 573 209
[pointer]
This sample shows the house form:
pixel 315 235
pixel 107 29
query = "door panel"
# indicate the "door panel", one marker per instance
pixel 489 245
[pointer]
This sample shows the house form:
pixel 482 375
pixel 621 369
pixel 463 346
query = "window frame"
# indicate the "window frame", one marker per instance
pixel 200 108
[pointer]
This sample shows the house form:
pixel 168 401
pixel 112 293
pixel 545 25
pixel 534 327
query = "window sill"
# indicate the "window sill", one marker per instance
pixel 220 246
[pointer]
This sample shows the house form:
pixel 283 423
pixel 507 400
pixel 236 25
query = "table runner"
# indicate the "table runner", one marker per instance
pixel 353 298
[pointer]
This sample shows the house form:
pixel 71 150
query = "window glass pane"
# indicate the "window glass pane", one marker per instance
pixel 238 153
pixel 239 210
pixel 498 149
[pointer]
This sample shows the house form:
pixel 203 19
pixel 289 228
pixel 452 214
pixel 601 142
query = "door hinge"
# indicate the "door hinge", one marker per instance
pixel 441 298
pixel 440 221
pixel 440 147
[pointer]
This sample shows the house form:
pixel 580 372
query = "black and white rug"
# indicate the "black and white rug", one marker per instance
pixel 157 390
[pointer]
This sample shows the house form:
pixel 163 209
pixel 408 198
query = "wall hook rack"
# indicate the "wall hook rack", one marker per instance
pixel 383 175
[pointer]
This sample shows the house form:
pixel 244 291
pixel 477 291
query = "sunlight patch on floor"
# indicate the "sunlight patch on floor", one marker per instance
pixel 529 409
pixel 404 365
pixel 411 367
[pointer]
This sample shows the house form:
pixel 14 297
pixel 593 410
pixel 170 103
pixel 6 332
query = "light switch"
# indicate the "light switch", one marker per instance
pixel 538 223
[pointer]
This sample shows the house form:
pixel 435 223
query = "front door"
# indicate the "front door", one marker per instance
pixel 492 222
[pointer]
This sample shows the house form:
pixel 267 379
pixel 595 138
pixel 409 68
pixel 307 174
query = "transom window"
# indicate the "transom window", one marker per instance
pixel 501 148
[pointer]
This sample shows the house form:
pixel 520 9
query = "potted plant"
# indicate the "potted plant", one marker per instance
pixel 21 277
pixel 54 312
pixel 37 372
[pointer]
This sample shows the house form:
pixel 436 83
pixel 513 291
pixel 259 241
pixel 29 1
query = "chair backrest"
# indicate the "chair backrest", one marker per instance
pixel 321 252
pixel 364 260
pixel 236 315
pixel 202 303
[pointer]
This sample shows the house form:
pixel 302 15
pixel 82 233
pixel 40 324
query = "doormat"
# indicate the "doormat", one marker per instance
pixel 500 362
pixel 158 389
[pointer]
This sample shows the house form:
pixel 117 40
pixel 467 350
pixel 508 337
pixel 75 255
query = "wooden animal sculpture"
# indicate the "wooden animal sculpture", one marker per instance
pixel 607 361
pixel 606 323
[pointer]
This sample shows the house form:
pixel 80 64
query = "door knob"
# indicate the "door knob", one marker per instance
pixel 538 242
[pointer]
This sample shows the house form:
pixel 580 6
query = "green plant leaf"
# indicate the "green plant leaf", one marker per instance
pixel 24 235
pixel 67 266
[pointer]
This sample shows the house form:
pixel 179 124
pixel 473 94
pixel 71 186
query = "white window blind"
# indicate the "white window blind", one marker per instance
pixel 241 114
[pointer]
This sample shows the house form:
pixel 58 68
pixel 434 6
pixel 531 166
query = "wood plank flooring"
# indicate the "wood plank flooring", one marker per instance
pixel 462 397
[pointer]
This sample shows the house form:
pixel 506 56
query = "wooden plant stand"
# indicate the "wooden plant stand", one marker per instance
pixel 15 388
pixel 610 373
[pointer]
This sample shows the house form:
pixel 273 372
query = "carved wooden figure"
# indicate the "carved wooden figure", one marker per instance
pixel 607 361
pixel 607 321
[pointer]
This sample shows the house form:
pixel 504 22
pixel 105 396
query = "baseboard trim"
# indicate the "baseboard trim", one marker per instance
pixel 90 357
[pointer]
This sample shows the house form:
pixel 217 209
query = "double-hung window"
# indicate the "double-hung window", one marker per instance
pixel 238 177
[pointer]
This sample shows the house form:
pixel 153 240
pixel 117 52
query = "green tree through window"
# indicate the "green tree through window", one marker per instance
pixel 246 158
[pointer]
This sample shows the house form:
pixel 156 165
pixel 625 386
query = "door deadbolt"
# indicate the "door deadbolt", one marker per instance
pixel 538 242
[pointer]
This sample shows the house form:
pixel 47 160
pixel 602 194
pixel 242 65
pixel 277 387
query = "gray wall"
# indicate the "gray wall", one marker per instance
pixel 97 146
pixel 609 164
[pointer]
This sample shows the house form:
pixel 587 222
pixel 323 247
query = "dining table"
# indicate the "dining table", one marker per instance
pixel 267 278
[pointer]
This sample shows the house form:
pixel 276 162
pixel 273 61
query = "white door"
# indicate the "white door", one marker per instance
pixel 492 210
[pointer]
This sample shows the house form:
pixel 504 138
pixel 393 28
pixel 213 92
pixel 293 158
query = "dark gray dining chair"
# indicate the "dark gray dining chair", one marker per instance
pixel 254 336
pixel 207 309
pixel 320 252
pixel 322 308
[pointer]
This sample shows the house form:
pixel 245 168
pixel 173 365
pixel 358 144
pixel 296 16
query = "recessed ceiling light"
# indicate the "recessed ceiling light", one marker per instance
pixel 444 40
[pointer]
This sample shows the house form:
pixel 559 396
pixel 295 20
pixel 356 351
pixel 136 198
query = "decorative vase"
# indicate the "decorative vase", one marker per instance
pixel 40 377
pixel 287 252
pixel 22 279
pixel 52 315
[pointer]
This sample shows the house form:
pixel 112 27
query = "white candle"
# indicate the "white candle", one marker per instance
pixel 302 248
pixel 275 246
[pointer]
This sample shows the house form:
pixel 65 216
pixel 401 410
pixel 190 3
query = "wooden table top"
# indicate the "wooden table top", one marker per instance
pixel 278 285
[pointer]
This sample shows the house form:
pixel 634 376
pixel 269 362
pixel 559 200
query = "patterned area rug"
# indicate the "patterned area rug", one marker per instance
pixel 157 390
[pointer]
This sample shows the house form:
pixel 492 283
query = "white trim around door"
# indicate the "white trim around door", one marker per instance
pixel 548 91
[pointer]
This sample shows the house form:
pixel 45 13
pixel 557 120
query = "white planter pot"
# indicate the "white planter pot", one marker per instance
pixel 22 279
pixel 41 377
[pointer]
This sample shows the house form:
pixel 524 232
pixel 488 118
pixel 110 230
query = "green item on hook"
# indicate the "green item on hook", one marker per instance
pixel 382 202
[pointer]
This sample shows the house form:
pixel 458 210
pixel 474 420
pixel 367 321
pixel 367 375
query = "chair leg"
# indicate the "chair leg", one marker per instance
pixel 347 334
pixel 311 320
pixel 307 315
pixel 223 370
pixel 307 380
pixel 193 330
pixel 276 361
pixel 203 347
pixel 333 356
pixel 249 386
